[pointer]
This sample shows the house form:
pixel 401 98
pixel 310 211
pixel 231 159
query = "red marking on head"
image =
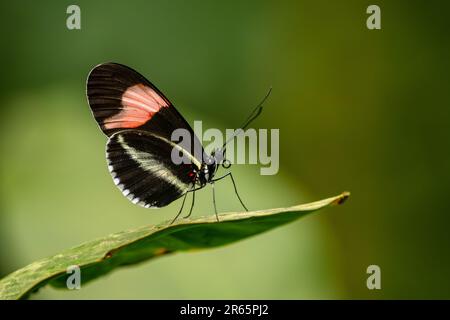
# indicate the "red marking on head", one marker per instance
pixel 192 175
pixel 139 104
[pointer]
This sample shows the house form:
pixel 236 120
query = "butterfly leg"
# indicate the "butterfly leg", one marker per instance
pixel 214 201
pixel 192 204
pixel 235 191
pixel 235 188
pixel 181 209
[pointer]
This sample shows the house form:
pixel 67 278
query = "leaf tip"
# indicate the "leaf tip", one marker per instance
pixel 342 198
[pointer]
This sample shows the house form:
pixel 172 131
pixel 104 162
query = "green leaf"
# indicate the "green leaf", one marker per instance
pixel 103 255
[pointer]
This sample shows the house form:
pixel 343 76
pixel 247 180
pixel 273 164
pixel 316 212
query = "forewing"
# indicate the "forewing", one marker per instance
pixel 120 98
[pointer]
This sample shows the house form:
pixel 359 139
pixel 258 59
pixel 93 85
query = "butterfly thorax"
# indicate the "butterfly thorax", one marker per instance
pixel 207 171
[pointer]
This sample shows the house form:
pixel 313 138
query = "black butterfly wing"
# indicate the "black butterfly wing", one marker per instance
pixel 120 98
pixel 141 166
pixel 139 121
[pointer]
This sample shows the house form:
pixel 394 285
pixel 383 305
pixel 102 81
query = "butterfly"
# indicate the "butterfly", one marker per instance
pixel 139 122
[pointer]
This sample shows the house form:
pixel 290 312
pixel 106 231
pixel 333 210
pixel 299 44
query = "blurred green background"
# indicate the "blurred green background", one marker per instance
pixel 359 110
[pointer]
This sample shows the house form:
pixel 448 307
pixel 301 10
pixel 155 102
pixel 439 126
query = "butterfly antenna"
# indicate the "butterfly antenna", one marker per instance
pixel 256 112
pixel 253 115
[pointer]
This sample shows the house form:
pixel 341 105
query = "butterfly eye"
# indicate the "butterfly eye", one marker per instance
pixel 226 163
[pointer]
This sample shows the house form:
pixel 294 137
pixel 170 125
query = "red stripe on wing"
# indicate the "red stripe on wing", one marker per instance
pixel 139 104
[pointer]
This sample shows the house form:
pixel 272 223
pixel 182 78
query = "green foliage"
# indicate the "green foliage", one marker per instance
pixel 98 257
